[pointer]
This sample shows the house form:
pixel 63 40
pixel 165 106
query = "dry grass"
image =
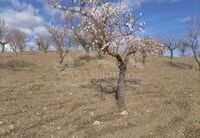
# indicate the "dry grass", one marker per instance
pixel 163 100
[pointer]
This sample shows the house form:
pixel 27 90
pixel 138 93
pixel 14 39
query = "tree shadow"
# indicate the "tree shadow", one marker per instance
pixel 192 131
pixel 16 65
pixel 179 65
pixel 108 86
pixel 5 56
pixel 88 58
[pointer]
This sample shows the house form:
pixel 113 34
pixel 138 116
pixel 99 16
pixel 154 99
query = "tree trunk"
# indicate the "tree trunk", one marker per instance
pixel 199 66
pixel 117 48
pixel 21 51
pixel 76 47
pixel 99 54
pixel 16 53
pixel 60 56
pixel 144 56
pixel 3 49
pixel 171 56
pixel 87 52
pixel 120 92
pixel 196 57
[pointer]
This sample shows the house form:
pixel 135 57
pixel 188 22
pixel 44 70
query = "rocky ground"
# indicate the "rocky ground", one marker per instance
pixel 38 100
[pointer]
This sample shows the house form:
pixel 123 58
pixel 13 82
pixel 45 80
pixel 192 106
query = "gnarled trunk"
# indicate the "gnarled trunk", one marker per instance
pixel 196 57
pixel 3 46
pixel 198 62
pixel 199 66
pixel 120 92
pixel 99 54
pixel 61 58
pixel 3 49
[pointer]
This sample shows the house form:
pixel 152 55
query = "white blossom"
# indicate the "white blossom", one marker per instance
pixel 141 24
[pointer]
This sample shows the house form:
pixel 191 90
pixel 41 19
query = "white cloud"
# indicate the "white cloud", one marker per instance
pixel 23 16
pixel 176 0
pixel 184 20
pixel 19 5
pixel 26 18
pixel 41 30
pixel 48 9
pixel 26 30
pixel 16 4
pixel 131 4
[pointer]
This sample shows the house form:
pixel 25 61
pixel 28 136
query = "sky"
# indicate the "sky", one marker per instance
pixel 162 17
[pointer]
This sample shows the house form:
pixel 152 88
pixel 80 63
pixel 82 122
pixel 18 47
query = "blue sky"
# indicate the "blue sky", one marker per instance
pixel 162 17
pixel 166 17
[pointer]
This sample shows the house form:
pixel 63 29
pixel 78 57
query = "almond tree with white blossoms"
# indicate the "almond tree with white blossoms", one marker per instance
pixel 58 36
pixel 17 40
pixel 84 38
pixel 107 23
pixel 150 46
pixel 42 42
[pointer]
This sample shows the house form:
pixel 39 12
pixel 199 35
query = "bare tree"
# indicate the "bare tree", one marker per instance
pixel 104 23
pixel 171 44
pixel 182 47
pixel 3 35
pixel 59 35
pixel 17 40
pixel 193 37
pixel 42 43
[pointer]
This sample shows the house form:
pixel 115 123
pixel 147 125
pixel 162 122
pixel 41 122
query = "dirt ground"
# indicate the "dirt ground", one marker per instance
pixel 38 101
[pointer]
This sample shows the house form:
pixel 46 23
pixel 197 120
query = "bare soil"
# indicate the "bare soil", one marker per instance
pixel 38 101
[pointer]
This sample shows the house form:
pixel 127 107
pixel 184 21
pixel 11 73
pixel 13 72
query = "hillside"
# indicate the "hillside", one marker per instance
pixel 163 100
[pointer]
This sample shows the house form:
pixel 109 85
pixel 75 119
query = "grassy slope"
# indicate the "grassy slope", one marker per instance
pixel 38 101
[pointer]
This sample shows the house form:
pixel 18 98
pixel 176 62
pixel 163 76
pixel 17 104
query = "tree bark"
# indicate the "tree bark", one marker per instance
pixel 15 51
pixel 61 58
pixel 77 47
pixel 144 56
pixel 199 66
pixel 3 49
pixel 99 54
pixel 196 57
pixel 117 48
pixel 171 56
pixel 120 92
pixel 87 52
pixel 21 50
pixel 3 46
